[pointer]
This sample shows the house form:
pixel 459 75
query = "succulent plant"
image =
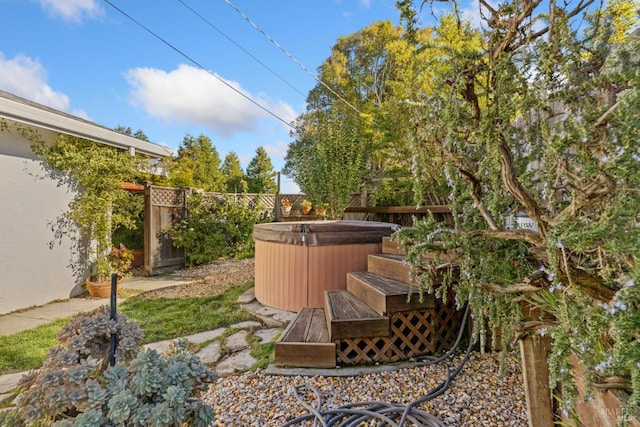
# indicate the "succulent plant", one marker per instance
pixel 76 386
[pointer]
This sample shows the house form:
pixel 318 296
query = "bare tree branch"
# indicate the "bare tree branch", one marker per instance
pixel 596 191
pixel 525 235
pixel 511 289
pixel 518 191
pixel 466 169
pixel 605 116
pixel 513 27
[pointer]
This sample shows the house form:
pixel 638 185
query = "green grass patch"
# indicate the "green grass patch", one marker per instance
pixel 159 318
pixel 168 318
pixel 28 350
pixel 265 354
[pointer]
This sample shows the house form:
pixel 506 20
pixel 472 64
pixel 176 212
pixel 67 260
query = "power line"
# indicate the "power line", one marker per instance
pixel 276 44
pixel 240 47
pixel 197 64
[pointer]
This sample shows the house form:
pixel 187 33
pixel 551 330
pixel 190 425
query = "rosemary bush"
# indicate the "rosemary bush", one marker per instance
pixel 535 115
pixel 76 386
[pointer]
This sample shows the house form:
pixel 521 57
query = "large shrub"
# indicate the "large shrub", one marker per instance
pixel 216 227
pixel 76 386
pixel 535 119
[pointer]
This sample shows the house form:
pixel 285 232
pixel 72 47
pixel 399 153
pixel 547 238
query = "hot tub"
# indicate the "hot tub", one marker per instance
pixel 295 262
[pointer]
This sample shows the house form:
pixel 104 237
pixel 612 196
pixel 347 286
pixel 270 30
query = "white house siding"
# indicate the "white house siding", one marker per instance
pixel 32 272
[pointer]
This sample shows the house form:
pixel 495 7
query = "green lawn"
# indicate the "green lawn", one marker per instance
pixel 159 318
pixel 27 350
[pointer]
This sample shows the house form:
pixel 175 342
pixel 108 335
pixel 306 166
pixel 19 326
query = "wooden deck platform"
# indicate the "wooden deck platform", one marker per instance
pixel 349 317
pixel 305 342
pixel 385 295
pixel 390 265
pixel 378 318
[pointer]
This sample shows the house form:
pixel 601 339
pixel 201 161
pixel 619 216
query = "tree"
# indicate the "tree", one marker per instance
pixel 330 156
pixel 231 169
pixel 95 172
pixel 139 134
pixel 374 73
pixel 540 120
pixel 197 165
pixel 261 174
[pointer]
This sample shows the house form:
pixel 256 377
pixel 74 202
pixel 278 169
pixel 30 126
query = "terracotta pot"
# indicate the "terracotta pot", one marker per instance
pixel 285 210
pixel 102 289
pixel 138 257
pixel 306 210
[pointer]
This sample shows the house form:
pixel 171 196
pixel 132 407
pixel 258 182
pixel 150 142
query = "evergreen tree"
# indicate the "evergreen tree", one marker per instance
pixel 139 134
pixel 535 115
pixel 197 165
pixel 261 174
pixel 231 169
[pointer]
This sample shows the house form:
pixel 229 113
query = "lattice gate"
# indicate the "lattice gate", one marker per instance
pixel 413 333
pixel 163 207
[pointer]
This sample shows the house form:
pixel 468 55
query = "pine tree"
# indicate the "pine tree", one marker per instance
pixel 261 174
pixel 231 169
pixel 198 165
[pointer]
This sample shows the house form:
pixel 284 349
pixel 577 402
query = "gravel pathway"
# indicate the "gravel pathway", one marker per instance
pixel 477 397
pixel 209 279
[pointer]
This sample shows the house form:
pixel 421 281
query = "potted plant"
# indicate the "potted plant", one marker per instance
pixel 118 262
pixel 285 208
pixel 320 209
pixel 306 207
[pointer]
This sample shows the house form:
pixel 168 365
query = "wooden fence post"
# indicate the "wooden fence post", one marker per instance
pixel 534 349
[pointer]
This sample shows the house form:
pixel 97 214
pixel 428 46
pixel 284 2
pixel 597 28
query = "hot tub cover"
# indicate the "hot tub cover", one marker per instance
pixel 320 233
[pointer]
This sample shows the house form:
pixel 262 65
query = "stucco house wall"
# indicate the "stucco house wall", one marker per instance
pixel 32 272
pixel 35 268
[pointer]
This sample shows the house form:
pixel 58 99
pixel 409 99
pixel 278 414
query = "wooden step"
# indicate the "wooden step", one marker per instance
pixel 384 295
pixel 349 317
pixel 391 246
pixel 391 266
pixel 305 342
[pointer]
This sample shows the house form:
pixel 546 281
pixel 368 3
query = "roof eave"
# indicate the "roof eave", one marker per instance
pixel 31 114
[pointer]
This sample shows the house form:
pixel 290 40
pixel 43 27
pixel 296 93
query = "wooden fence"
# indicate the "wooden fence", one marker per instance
pixel 165 206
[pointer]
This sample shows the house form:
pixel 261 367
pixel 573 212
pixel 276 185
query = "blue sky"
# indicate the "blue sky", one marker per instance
pixel 86 58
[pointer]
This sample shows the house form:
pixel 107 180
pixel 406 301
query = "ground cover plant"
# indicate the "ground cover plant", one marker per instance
pixel 85 382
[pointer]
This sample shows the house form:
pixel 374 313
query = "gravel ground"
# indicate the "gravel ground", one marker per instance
pixel 477 397
pixel 209 279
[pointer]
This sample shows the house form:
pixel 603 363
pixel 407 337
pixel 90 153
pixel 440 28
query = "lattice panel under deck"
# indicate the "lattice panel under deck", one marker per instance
pixel 413 333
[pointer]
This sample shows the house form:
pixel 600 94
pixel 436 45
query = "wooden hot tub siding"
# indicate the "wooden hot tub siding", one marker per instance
pixel 290 277
pixel 296 262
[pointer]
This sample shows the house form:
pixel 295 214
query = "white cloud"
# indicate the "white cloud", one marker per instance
pixel 279 149
pixel 189 95
pixel 72 10
pixel 286 112
pixel 27 78
pixel 472 13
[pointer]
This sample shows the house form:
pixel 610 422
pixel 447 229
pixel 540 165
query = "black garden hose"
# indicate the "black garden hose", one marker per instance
pixel 355 414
